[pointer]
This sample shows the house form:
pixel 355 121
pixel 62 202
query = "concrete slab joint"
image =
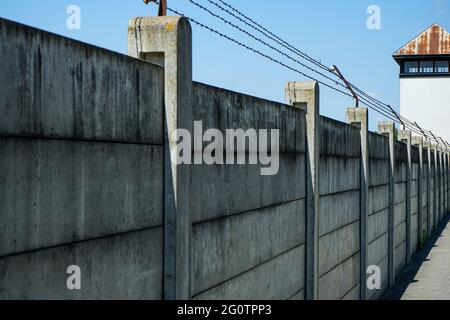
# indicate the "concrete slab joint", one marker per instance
pixel 167 42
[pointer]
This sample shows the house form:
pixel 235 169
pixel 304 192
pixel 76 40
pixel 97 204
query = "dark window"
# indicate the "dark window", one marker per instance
pixel 441 66
pixel 426 67
pixel 411 67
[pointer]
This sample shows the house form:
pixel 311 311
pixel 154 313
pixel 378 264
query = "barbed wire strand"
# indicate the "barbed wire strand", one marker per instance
pixel 380 107
pixel 264 43
pixel 306 56
pixel 256 26
pixel 266 56
pixel 413 126
pixel 366 99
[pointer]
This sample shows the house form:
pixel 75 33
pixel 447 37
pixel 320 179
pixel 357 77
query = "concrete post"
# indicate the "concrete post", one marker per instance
pixel 306 96
pixel 427 147
pixel 360 117
pixel 167 41
pixel 434 148
pixel 441 183
pixel 444 181
pixel 388 129
pixel 418 142
pixel 406 137
pixel 447 185
pixel 445 157
pixel 448 180
pixel 438 184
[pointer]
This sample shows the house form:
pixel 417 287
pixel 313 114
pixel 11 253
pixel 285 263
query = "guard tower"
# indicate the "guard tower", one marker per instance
pixel 425 80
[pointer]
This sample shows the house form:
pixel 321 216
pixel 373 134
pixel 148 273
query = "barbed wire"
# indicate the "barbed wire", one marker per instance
pixel 306 56
pixel 381 108
pixel 263 42
pixel 256 51
pixel 256 26
pixel 377 105
pixel 366 99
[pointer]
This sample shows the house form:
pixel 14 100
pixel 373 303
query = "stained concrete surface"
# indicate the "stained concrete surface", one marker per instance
pixel 428 276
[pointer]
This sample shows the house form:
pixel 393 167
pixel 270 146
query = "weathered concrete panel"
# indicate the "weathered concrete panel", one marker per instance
pixel 332 135
pixel 224 190
pixel 400 192
pixel 424 199
pixel 415 165
pixel 299 295
pixel 335 284
pixel 354 294
pixel 337 246
pixel 414 222
pixel 400 172
pixel 414 233
pixel 378 224
pixel 400 258
pixel 55 192
pixel 378 198
pixel 58 87
pixel 378 146
pixel 338 174
pixel 379 172
pixel 414 188
pixel 279 279
pixel 224 248
pixel 223 109
pixel 399 213
pixel 127 266
pixel 338 210
pixel 414 205
pixel 378 250
pixel 401 153
pixel 424 220
pixel 400 233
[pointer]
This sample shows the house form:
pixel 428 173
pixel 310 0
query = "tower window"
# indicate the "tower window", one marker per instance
pixel 411 66
pixel 441 66
pixel 426 67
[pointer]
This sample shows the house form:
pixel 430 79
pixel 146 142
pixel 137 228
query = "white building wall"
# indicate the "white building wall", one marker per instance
pixel 426 100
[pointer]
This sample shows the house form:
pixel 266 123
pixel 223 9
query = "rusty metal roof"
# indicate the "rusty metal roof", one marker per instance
pixel 433 41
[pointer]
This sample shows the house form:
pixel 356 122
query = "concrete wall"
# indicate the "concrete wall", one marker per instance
pixel 339 215
pixel 248 233
pixel 84 174
pixel 400 212
pixel 415 233
pixel 433 212
pixel 378 222
pixel 81 169
pixel 425 201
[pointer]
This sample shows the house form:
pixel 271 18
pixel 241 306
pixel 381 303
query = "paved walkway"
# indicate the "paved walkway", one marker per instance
pixel 428 276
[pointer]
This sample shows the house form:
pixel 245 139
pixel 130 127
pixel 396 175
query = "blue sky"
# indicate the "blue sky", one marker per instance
pixel 332 31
